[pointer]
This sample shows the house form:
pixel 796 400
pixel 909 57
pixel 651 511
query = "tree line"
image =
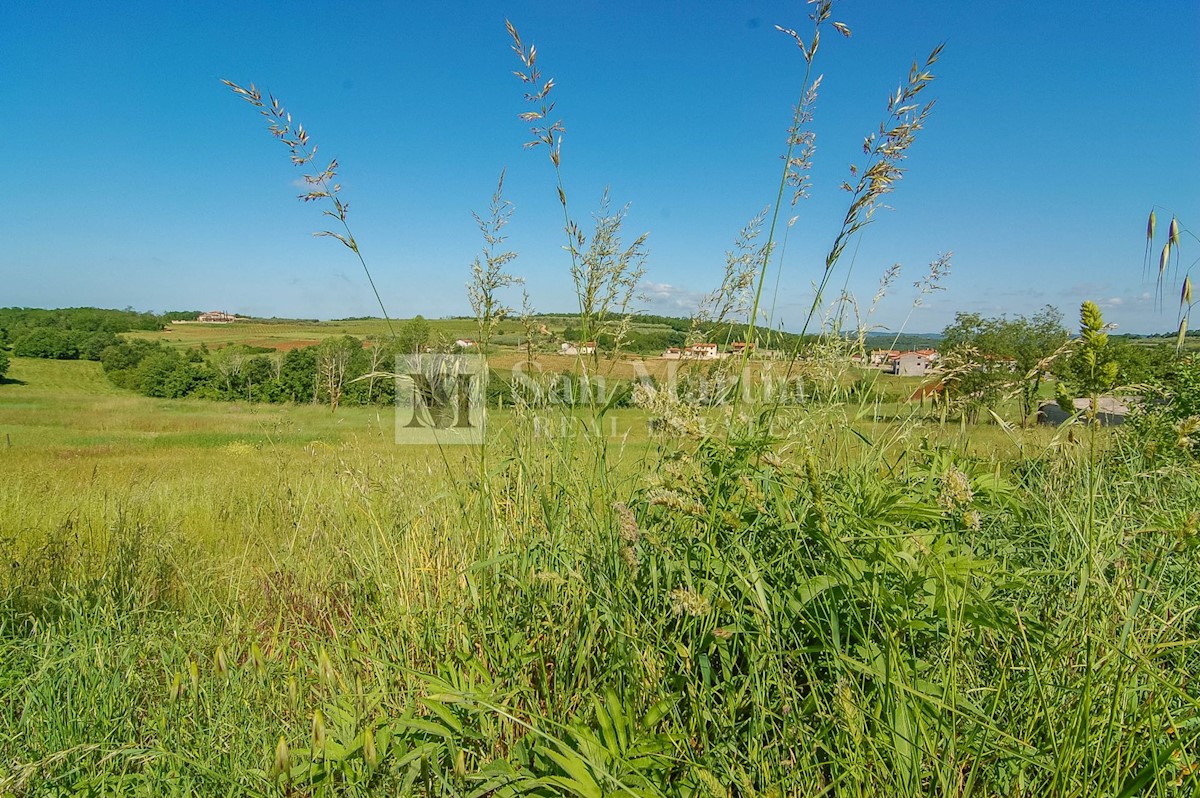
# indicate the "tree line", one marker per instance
pixel 74 333
pixel 339 370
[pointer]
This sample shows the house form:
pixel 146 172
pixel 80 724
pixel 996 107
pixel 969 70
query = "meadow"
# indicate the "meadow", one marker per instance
pixel 218 598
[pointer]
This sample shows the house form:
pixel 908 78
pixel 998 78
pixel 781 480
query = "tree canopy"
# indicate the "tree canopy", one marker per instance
pixel 988 356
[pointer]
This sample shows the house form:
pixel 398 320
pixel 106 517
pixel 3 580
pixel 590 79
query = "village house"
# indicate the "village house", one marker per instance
pixel 672 353
pixel 911 364
pixel 465 343
pixel 587 348
pixel 884 357
pixel 739 347
pixel 701 352
pixel 216 317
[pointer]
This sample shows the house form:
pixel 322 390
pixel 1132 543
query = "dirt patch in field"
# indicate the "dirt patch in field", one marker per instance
pixel 282 346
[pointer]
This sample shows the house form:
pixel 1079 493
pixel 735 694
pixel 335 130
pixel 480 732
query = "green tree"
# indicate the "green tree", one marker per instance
pixel 45 342
pixel 991 356
pixel 90 345
pixel 163 374
pixel 298 375
pixel 227 363
pixel 338 360
pixel 120 362
pixel 3 362
pixel 1094 368
pixel 258 378
pixel 413 336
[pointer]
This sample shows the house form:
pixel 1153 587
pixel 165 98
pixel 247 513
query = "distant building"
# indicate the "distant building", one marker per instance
pixel 702 352
pixel 911 364
pixel 672 353
pixel 216 317
pixel 465 343
pixel 586 348
pixel 884 357
pixel 740 347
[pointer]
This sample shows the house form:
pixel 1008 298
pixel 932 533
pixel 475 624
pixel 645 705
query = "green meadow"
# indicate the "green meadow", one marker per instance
pixel 206 598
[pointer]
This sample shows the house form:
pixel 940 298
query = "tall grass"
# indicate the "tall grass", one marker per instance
pixel 747 603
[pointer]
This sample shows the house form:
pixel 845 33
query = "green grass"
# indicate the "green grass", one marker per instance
pixel 792 616
pixel 290 334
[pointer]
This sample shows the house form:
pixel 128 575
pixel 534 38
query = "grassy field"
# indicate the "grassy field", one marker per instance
pixel 291 334
pixel 216 598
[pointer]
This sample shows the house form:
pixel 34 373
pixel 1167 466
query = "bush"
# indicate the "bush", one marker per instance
pixel 46 342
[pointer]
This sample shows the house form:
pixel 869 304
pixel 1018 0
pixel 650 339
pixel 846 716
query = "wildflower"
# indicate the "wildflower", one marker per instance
pixel 972 519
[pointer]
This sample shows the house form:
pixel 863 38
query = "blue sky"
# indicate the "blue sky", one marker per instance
pixel 135 178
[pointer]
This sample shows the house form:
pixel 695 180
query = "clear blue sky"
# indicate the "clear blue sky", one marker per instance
pixel 133 177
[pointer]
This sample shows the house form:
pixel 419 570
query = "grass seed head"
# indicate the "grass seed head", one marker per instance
pixel 293 692
pixel 630 556
pixel 325 671
pixel 685 601
pixel 956 489
pixel 283 759
pixel 627 523
pixel 176 688
pixel 257 661
pixel 318 733
pixel 370 753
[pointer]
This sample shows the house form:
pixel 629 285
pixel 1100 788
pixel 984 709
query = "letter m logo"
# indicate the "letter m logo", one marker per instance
pixel 440 399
